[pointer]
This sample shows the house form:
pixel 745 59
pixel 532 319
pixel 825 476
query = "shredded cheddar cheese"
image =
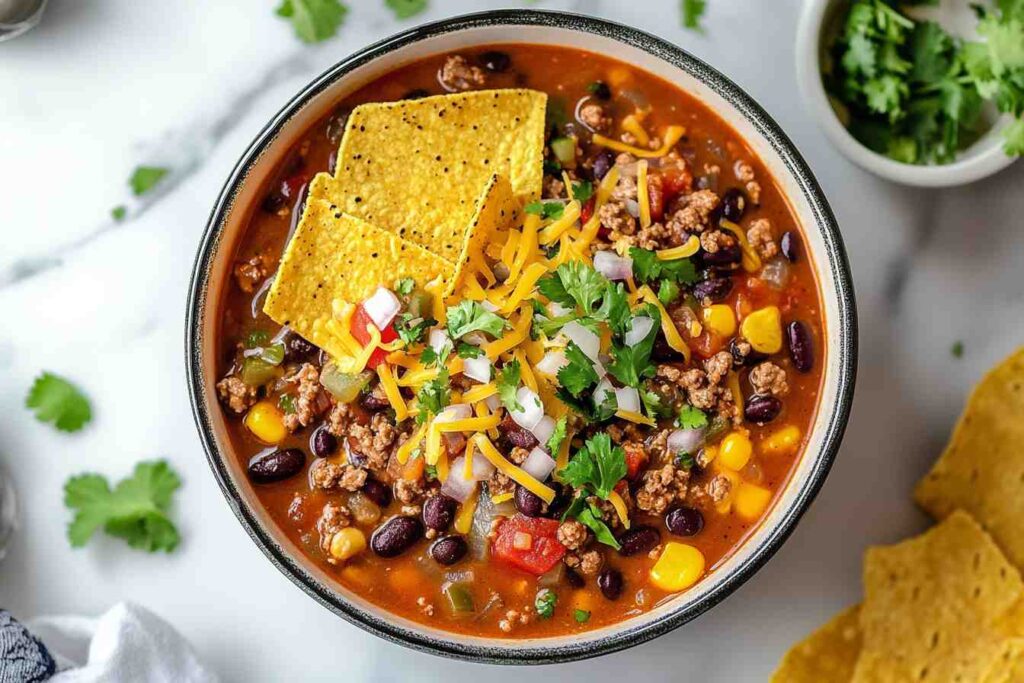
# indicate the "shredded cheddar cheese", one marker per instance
pixel 631 416
pixel 620 508
pixel 672 135
pixel 406 449
pixel 668 327
pixel 391 390
pixel 685 250
pixel 643 198
pixel 514 473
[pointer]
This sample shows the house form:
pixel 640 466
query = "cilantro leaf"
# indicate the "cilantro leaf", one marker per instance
pixel 614 307
pixel 1013 137
pixel 465 350
pixel 582 190
pixel 647 267
pixel 693 10
pixel 432 358
pixel 545 602
pixel 653 404
pixel 596 467
pixel 581 616
pixel 56 400
pixel 691 418
pixel 579 373
pixel 508 385
pixel 574 283
pixel 433 397
pixel 558 435
pixel 118 213
pixel 630 364
pixel 313 20
pixel 405 285
pixel 958 349
pixel 546 210
pixel 470 316
pixel 145 178
pixel 134 510
pixel 410 330
pixel 404 9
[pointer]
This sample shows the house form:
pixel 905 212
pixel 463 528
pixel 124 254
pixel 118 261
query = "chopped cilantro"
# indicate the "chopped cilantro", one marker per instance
pixel 508 385
pixel 589 515
pixel 668 291
pixel 287 404
pixel 430 472
pixel 256 339
pixel 546 210
pixel 653 404
pixel 551 167
pixel 313 20
pixel 56 400
pixel 647 267
pixel 614 308
pixel 558 435
pixel 596 467
pixel 433 397
pixel 582 616
pixel 545 603
pixel 135 510
pixel 574 284
pixel 145 178
pixel 579 374
pixel 118 213
pixel 470 316
pixel 692 11
pixel 691 418
pixel 958 349
pixel 582 190
pixel 465 350
pixel 630 364
pixel 404 286
pixel 410 330
pixel 404 9
pixel 432 358
pixel 685 461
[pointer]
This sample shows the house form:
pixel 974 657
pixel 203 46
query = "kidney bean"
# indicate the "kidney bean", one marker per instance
pixel 372 400
pixel 323 443
pixel 762 409
pixel 496 61
pixel 610 582
pixel 684 521
pixel 602 163
pixel 734 203
pixel 377 492
pixel 716 289
pixel 395 536
pixel 527 502
pixel 515 434
pixel 574 578
pixel 448 550
pixel 801 350
pixel 439 512
pixel 276 465
pixel 638 540
pixel 601 91
pixel 725 256
pixel 790 246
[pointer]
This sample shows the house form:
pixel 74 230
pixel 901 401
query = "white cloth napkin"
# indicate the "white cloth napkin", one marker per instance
pixel 127 643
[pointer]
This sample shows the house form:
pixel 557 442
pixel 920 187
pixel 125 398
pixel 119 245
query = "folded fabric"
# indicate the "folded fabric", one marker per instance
pixel 23 658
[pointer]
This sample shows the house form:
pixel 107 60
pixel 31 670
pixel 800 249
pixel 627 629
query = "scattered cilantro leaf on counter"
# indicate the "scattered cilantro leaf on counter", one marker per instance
pixel 558 435
pixel 135 510
pixel 958 349
pixel 692 11
pixel 691 418
pixel 582 616
pixel 508 385
pixel 56 400
pixel 545 602
pixel 647 267
pixel 118 213
pixel 145 178
pixel 405 285
pixel 597 466
pixel 313 20
pixel 470 316
pixel 579 373
pixel 404 9
pixel 546 210
pixel 433 397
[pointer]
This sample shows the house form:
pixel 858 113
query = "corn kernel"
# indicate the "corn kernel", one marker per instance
pixel 735 451
pixel 751 501
pixel 347 543
pixel 763 329
pixel 782 441
pixel 720 319
pixel 678 568
pixel 266 422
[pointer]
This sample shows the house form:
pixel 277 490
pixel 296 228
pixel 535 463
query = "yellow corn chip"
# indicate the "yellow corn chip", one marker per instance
pixel 932 605
pixel 496 210
pixel 1009 667
pixel 336 256
pixel 829 654
pixel 415 167
pixel 982 469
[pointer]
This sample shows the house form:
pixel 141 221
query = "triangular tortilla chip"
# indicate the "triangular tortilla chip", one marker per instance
pixel 829 654
pixel 497 209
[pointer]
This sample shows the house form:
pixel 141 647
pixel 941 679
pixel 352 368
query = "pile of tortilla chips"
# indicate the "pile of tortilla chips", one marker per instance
pixel 947 605
pixel 419 187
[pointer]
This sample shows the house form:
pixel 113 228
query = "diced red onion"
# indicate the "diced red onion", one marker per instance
pixel 638 332
pixel 551 363
pixel 538 464
pixel 686 440
pixel 458 411
pixel 613 266
pixel 589 343
pixel 382 307
pixel 533 409
pixel 438 340
pixel 478 368
pixel 632 207
pixel 628 398
pixel 544 429
pixel 603 389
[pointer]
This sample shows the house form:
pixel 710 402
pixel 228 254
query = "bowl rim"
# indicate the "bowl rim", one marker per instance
pixel 835 264
pixel 987 155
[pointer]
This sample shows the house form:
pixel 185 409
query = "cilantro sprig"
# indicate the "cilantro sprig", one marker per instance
pixel 596 467
pixel 56 400
pixel 691 418
pixel 470 316
pixel 547 210
pixel 647 267
pixel 558 435
pixel 508 384
pixel 631 364
pixel 433 397
pixel 313 20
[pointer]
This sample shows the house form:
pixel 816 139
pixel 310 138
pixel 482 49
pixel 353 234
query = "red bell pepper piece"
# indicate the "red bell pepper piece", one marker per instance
pixel 360 321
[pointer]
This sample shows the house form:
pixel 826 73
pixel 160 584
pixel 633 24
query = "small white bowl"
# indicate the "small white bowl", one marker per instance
pixel 978 161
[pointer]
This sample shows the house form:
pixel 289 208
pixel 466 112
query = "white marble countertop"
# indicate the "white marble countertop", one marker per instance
pixel 105 85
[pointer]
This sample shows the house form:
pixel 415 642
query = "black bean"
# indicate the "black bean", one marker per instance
pixel 439 512
pixel 563 499
pixel 416 94
pixel 528 503
pixel 515 434
pixel 684 521
pixel 743 354
pixel 298 349
pixel 395 536
pixel 448 550
pixel 377 492
pixel 574 578
pixel 639 539
pixel 725 256
pixel 716 289
pixel 790 246
pixel 762 409
pixel 734 203
pixel 273 202
pixel 375 401
pixel 495 61
pixel 600 90
pixel 610 583
pixel 276 465
pixel 801 349
pixel 323 443
pixel 602 163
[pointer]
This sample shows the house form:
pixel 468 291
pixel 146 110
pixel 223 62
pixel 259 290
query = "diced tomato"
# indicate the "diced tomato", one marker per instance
pixel 636 459
pixel 655 196
pixel 707 344
pixel 676 180
pixel 544 552
pixel 587 210
pixel 360 320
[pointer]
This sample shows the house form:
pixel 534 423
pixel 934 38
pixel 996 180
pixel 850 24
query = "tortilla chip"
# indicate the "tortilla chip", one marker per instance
pixel 982 469
pixel 416 167
pixel 336 256
pixel 1009 667
pixel 496 210
pixel 828 654
pixel 932 605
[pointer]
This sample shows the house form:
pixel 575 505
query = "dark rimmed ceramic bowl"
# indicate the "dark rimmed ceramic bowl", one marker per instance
pixel 823 246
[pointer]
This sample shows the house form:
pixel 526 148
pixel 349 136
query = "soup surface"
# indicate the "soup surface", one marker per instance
pixel 621 448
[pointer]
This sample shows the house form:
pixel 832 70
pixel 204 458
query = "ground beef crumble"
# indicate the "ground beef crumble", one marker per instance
pixel 594 117
pixel 572 534
pixel 311 401
pixel 705 388
pixel 587 563
pixel 616 219
pixel 518 455
pixel 769 379
pixel 661 487
pixel 759 234
pixel 553 188
pixel 374 441
pixel 333 519
pixel 692 212
pixel 409 491
pixel 712 241
pixel 499 484
pixel 458 74
pixel 238 395
pixel 250 274
pixel 328 475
